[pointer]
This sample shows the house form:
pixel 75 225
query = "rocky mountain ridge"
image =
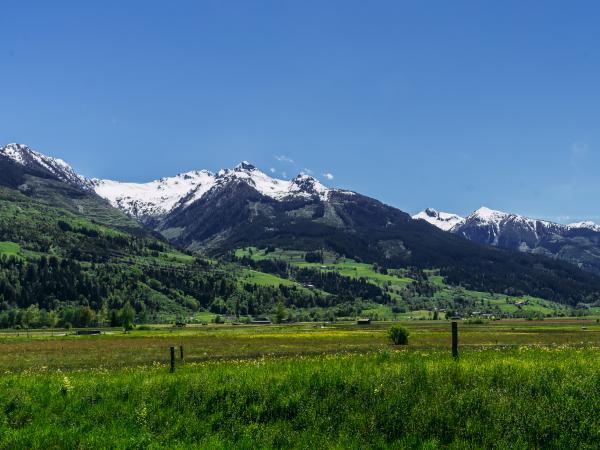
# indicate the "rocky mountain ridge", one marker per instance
pixel 577 243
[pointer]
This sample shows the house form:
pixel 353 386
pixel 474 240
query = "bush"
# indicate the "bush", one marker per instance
pixel 475 322
pixel 398 335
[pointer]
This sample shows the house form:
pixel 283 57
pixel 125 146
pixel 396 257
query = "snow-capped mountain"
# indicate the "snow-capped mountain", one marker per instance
pixel 43 165
pixel 491 227
pixel 301 186
pixel 156 199
pixel 489 217
pixel 444 221
pixel 578 243
pixel 217 213
pixel 588 224
pixel 202 210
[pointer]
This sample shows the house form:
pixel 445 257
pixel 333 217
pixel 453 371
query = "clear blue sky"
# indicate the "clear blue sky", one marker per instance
pixel 449 104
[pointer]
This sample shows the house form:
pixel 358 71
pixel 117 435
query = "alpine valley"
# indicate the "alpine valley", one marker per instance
pixel 240 243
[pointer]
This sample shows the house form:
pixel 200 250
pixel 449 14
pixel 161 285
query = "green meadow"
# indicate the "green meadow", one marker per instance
pixel 9 248
pixel 517 384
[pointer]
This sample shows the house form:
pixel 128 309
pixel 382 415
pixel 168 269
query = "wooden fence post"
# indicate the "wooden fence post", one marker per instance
pixel 172 359
pixel 455 340
pixel 181 352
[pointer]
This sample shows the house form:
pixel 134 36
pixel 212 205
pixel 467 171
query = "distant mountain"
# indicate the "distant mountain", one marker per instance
pixel 17 160
pixel 444 221
pixel 577 243
pixel 216 213
pixel 55 183
pixel 149 202
pixel 587 225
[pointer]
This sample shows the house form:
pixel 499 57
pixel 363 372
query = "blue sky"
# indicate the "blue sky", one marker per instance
pixel 451 105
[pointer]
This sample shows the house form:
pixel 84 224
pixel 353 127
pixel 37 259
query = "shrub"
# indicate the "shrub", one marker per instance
pixel 475 322
pixel 398 335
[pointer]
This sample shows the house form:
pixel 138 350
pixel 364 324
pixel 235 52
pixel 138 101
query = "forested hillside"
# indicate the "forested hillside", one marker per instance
pixel 52 260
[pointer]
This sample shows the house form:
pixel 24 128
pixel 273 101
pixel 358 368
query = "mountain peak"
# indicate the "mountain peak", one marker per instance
pixel 245 165
pixel 307 184
pixel 585 224
pixel 442 220
pixel 27 158
pixel 486 213
pixel 16 152
pixel 158 198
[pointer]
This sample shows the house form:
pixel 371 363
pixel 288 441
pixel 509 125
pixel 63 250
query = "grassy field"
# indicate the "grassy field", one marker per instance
pixel 517 384
pixel 9 248
pixel 42 352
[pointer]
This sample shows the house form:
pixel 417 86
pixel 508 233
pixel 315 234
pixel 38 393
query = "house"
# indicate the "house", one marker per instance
pixel 260 321
pixel 87 332
pixel 363 322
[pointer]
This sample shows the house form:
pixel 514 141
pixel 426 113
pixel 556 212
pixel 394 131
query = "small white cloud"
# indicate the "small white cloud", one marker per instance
pixel 284 174
pixel 328 175
pixel 272 169
pixel 306 171
pixel 283 158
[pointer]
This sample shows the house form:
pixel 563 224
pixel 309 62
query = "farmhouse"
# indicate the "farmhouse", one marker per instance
pixel 260 321
pixel 87 332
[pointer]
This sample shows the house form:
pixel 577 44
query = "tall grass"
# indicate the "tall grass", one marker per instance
pixel 519 398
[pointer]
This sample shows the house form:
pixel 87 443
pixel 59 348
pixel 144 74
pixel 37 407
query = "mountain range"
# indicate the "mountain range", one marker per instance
pixel 576 243
pixel 217 213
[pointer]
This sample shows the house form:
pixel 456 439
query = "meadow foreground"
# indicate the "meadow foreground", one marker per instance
pixel 517 396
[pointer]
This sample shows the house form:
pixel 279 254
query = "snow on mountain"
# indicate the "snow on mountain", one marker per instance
pixel 492 224
pixel 30 159
pixel 302 185
pixel 442 220
pixel 575 243
pixel 588 224
pixel 495 221
pixel 487 215
pixel 503 229
pixel 307 186
pixel 158 198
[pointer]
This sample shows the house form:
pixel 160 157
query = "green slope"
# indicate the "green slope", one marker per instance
pixel 80 258
pixel 413 294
